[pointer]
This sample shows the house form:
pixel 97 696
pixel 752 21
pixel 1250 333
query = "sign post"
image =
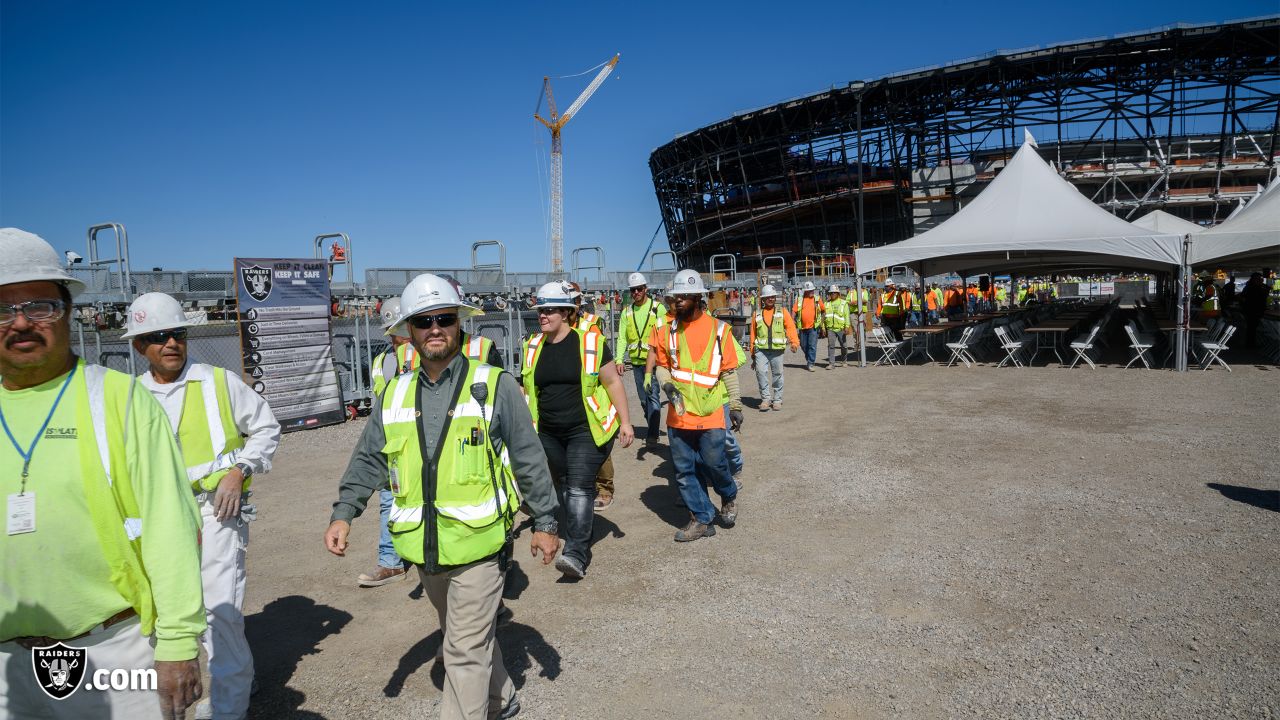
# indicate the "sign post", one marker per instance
pixel 285 339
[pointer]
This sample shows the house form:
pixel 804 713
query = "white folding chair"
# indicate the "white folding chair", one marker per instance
pixel 960 348
pixel 1083 348
pixel 1140 344
pixel 1213 350
pixel 889 347
pixel 1012 348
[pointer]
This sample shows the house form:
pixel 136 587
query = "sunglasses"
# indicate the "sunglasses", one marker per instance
pixel 36 311
pixel 642 288
pixel 160 337
pixel 425 322
pixel 550 310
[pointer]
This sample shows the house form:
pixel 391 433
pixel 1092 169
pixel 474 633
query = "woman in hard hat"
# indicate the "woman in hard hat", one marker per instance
pixel 579 407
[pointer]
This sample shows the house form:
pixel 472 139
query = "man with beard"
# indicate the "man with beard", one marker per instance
pixel 453 441
pixel 696 356
pixel 101 548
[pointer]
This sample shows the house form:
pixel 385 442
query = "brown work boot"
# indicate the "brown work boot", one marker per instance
pixel 729 513
pixel 381 576
pixel 694 530
pixel 603 501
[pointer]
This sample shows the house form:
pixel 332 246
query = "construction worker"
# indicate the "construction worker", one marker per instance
pixel 101 550
pixel 772 330
pixel 1002 296
pixel 891 310
pixel 696 359
pixel 639 318
pixel 807 311
pixel 578 405
pixel 859 307
pixel 910 306
pixel 228 435
pixel 836 323
pixel 954 301
pixel 585 320
pixel 454 441
pixel 1208 298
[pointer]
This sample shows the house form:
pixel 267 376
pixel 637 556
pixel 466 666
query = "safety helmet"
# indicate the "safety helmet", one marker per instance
pixel 807 287
pixel 635 280
pixel 28 258
pixel 768 291
pixel 890 283
pixel 428 292
pixel 390 315
pixel 155 311
pixel 575 290
pixel 833 289
pixel 688 282
pixel 555 294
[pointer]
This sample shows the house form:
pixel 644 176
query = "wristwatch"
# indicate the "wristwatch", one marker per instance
pixel 245 469
pixel 547 526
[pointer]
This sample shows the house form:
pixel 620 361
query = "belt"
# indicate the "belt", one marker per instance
pixel 31 643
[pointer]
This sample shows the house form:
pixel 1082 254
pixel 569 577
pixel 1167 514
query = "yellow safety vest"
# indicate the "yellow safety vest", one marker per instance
pixel 207 431
pixel 699 382
pixel 602 416
pixel 774 335
pixel 476 347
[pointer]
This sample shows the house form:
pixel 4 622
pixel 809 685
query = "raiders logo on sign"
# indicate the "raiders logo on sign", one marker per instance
pixel 256 281
pixel 59 669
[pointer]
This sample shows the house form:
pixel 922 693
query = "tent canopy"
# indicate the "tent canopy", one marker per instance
pixel 1028 216
pixel 1167 223
pixel 1250 237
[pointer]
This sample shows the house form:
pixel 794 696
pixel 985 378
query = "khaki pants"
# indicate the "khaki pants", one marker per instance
pixel 604 478
pixel 119 647
pixel 476 684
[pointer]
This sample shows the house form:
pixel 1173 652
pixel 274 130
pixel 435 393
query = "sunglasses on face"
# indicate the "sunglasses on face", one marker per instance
pixel 550 311
pixel 638 289
pixel 160 337
pixel 425 322
pixel 36 311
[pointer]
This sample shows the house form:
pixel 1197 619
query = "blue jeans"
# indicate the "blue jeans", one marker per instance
pixel 809 345
pixel 769 375
pixel 699 458
pixel 387 556
pixel 732 450
pixel 650 403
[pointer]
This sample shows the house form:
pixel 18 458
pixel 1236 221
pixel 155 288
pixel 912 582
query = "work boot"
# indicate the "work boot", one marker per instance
pixel 570 567
pixel 381 576
pixel 511 709
pixel 809 368
pixel 777 406
pixel 729 513
pixel 765 405
pixel 602 502
pixel 694 530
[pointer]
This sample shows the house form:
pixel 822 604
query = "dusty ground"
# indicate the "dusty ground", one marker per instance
pixel 918 542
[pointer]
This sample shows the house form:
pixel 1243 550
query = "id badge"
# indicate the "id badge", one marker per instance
pixel 395 481
pixel 20 514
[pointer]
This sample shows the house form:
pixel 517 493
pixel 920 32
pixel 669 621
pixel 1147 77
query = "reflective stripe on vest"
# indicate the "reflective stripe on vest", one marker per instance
pixel 602 415
pixel 531 351
pixel 771 336
pixel 478 347
pixel 215 425
pixel 691 375
pixel 95 383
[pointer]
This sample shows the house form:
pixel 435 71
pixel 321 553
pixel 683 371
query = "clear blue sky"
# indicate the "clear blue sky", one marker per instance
pixel 233 128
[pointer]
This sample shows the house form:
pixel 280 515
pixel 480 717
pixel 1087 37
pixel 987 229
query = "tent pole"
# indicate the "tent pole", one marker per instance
pixel 862 322
pixel 1184 312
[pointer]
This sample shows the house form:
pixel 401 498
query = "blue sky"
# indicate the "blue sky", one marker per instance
pixel 233 128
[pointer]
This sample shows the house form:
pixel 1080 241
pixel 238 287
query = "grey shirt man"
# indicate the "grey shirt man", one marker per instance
pixel 511 426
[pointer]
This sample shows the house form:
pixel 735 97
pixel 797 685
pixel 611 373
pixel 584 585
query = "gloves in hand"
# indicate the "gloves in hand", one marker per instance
pixel 735 420
pixel 648 382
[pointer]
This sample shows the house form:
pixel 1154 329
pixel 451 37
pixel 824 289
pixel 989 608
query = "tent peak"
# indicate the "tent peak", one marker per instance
pixel 1029 139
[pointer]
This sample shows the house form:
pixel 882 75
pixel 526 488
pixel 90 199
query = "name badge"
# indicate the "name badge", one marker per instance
pixel 21 514
pixel 395 481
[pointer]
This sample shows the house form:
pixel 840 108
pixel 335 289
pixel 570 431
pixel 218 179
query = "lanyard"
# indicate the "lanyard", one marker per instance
pixel 26 457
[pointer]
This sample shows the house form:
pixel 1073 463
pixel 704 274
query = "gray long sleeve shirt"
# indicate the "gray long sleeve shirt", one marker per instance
pixel 511 426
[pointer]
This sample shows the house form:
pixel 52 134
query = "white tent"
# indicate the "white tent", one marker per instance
pixel 1162 222
pixel 1253 235
pixel 1028 217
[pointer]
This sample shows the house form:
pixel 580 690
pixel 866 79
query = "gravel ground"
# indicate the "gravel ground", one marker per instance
pixel 935 543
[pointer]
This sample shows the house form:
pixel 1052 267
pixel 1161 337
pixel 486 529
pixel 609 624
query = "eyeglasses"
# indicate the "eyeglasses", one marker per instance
pixel 160 337
pixel 642 288
pixel 36 311
pixel 425 322
pixel 550 310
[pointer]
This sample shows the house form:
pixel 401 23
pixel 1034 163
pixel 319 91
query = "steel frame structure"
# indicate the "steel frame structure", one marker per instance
pixel 1183 117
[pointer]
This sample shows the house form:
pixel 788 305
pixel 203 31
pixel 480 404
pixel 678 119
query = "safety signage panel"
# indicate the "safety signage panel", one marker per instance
pixel 285 339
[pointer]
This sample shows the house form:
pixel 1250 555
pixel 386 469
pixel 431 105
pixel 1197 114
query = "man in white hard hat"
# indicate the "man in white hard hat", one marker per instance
pixel 228 435
pixel 454 441
pixel 772 330
pixel 639 318
pixel 836 321
pixel 696 360
pixel 807 312
pixel 101 544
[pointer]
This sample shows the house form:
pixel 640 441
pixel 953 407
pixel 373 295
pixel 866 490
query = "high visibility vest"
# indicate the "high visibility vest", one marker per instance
pixel 602 416
pixel 772 336
pixel 635 333
pixel 103 400
pixel 207 431
pixel 836 315
pixel 473 498
pixel 390 364
pixel 476 347
pixel 586 320
pixel 818 308
pixel 890 304
pixel 908 301
pixel 698 381
pixel 859 306
pixel 1209 308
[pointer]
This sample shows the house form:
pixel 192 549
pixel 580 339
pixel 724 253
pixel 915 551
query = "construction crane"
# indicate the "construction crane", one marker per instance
pixel 555 124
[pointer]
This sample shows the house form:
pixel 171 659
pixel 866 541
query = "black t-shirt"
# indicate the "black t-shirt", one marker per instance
pixel 558 378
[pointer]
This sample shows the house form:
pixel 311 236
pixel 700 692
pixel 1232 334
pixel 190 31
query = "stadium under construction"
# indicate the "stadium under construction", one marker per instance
pixel 1182 118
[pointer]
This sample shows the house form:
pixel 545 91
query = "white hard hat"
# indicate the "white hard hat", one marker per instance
pixel 635 280
pixel 688 282
pixel 391 315
pixel 428 292
pixel 808 286
pixel 889 282
pixel 768 291
pixel 834 289
pixel 155 311
pixel 555 294
pixel 28 258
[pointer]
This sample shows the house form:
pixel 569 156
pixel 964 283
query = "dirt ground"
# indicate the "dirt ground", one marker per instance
pixel 918 542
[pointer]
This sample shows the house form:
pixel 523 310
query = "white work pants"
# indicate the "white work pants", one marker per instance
pixel 119 647
pixel 222 572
